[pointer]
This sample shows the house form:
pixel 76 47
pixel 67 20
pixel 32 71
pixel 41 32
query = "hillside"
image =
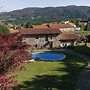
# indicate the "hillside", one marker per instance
pixel 48 13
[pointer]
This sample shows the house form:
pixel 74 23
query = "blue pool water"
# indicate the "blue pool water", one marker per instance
pixel 48 56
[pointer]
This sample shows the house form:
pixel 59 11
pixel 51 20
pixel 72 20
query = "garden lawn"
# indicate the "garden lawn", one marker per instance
pixel 61 75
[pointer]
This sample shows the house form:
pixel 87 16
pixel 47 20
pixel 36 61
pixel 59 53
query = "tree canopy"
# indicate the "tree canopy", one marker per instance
pixel 87 27
pixel 3 28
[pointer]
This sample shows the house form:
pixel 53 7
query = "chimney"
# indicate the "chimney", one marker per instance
pixel 48 25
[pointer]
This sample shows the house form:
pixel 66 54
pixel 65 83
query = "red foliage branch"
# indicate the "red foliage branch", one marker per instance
pixel 13 52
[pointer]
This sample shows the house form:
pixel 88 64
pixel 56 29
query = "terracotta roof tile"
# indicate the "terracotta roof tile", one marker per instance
pixel 33 31
pixel 68 37
pixel 14 31
pixel 61 26
pixel 40 27
pixel 58 26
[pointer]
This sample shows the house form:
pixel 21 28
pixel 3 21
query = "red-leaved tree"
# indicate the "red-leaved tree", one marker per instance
pixel 13 53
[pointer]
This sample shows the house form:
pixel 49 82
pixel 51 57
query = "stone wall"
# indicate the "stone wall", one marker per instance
pixel 41 41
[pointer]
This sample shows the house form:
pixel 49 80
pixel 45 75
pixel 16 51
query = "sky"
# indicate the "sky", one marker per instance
pixel 10 5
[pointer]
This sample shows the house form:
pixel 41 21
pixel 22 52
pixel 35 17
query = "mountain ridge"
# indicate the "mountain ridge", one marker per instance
pixel 50 13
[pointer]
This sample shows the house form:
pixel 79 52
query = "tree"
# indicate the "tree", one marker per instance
pixel 28 24
pixel 89 19
pixel 3 28
pixel 87 27
pixel 13 53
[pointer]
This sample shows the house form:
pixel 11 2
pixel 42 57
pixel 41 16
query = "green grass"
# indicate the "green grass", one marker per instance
pixel 82 32
pixel 60 75
pixel 83 49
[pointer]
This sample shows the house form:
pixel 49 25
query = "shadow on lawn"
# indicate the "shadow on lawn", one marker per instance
pixel 56 82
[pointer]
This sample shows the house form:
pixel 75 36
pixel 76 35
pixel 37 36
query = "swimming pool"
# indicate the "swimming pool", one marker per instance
pixel 48 56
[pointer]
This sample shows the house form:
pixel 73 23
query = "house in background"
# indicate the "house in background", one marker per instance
pixel 83 22
pixel 70 23
pixel 63 27
pixel 44 37
pixel 14 31
pixel 73 25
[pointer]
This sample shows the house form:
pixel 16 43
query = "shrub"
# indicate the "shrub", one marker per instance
pixel 12 55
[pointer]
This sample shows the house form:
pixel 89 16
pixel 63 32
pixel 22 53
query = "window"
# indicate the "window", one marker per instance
pixel 51 37
pixel 37 37
pixel 46 38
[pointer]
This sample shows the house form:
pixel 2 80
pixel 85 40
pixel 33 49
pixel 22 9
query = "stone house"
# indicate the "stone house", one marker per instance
pixel 63 27
pixel 67 39
pixel 46 35
pixel 41 37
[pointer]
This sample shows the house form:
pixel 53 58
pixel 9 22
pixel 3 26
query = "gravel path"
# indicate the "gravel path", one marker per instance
pixel 84 78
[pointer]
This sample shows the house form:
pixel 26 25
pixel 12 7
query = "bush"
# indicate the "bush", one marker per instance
pixel 4 29
pixel 12 55
pixel 83 49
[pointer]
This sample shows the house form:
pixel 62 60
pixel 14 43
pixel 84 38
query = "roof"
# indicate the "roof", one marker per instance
pixel 9 25
pixel 72 24
pixel 58 26
pixel 14 31
pixel 33 31
pixel 84 21
pixel 40 26
pixel 68 37
pixel 61 26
